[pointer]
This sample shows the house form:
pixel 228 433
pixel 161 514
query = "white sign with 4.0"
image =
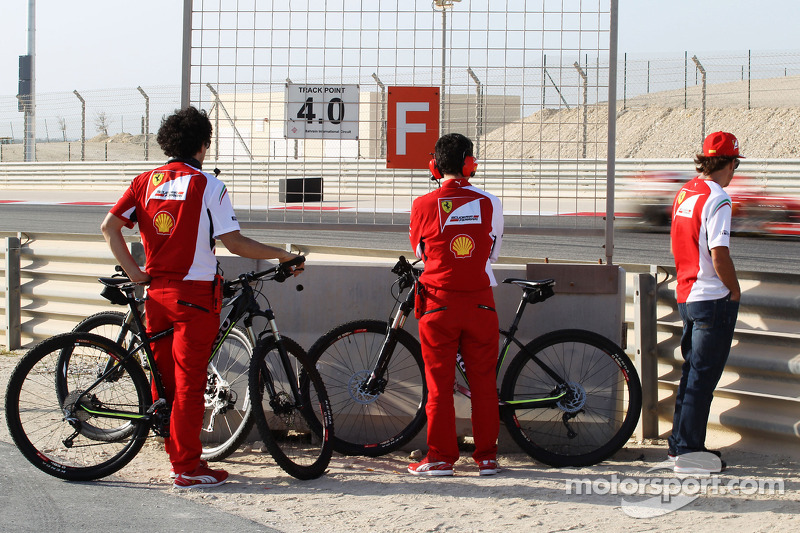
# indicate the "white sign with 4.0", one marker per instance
pixel 321 111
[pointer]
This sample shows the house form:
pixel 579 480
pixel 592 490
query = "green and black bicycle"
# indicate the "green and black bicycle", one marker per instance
pixel 569 398
pixel 79 405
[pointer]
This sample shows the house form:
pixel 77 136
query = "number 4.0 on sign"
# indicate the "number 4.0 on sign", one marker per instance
pixel 321 111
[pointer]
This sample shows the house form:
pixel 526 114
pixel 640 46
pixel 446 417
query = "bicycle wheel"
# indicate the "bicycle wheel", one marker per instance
pixel 48 431
pixel 109 324
pixel 288 423
pixel 371 424
pixel 228 418
pixel 595 417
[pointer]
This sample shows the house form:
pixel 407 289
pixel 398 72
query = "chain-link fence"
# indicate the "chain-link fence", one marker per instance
pixel 90 125
pixel 744 80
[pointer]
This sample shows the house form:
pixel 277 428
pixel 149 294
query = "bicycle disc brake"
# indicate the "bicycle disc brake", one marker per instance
pixel 219 397
pixel 574 399
pixel 283 408
pixel 357 387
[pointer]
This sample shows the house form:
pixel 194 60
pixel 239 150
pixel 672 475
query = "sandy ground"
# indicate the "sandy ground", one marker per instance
pixel 363 494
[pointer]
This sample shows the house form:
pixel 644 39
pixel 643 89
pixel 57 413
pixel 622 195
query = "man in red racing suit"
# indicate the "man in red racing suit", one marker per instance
pixel 180 211
pixel 457 231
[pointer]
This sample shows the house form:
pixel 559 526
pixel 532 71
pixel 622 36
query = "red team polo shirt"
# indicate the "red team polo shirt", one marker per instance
pixel 180 210
pixel 701 220
pixel 457 230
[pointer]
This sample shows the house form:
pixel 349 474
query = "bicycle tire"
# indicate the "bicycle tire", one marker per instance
pixel 603 403
pixel 36 416
pixel 289 425
pixel 371 424
pixel 228 418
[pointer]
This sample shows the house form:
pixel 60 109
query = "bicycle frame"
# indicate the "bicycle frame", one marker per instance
pixel 243 305
pixel 375 384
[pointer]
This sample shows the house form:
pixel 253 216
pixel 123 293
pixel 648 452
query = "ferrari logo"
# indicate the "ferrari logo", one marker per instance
pixel 681 197
pixel 158 177
pixel 447 206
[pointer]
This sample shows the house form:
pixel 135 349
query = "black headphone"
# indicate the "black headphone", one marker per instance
pixel 467 170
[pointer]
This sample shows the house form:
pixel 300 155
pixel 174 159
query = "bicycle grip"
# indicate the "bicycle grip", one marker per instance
pixel 283 271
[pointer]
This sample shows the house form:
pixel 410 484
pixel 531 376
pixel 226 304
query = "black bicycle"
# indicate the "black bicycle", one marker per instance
pixel 79 406
pixel 568 398
pixel 228 417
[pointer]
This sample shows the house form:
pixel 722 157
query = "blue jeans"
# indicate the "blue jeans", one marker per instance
pixel 705 345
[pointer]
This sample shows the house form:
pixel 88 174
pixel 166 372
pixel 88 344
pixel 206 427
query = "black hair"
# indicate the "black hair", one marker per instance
pixel 184 133
pixel 707 165
pixel 450 151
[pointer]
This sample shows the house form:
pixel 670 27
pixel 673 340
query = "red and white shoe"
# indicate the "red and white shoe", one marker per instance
pixel 201 477
pixel 489 467
pixel 431 468
pixel 173 474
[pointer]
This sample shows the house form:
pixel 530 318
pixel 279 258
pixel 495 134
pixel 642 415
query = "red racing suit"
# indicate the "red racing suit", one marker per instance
pixel 457 230
pixel 179 210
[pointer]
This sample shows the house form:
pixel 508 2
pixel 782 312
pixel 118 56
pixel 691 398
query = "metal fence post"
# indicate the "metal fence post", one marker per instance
pixel 703 74
pixel 83 125
pixel 644 301
pixel 13 337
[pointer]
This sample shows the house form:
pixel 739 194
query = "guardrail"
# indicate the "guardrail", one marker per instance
pixel 757 401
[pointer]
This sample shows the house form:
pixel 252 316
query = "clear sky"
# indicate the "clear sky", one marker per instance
pixel 98 44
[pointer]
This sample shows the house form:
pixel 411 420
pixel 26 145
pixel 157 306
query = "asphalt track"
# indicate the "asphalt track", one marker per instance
pixel 33 501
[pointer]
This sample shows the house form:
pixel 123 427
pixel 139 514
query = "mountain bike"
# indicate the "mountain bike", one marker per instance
pixel 228 418
pixel 568 398
pixel 79 406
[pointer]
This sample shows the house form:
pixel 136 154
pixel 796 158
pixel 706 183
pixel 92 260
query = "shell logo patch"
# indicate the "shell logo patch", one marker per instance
pixel 158 177
pixel 164 223
pixel 447 205
pixel 462 246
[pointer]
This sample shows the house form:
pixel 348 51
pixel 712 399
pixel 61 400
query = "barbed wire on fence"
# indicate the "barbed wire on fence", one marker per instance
pixel 745 80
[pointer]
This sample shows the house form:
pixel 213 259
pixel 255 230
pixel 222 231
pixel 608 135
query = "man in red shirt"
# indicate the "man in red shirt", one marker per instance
pixel 708 297
pixel 457 230
pixel 180 211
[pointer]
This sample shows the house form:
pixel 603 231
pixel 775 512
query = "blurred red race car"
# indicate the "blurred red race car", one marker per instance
pixel 754 209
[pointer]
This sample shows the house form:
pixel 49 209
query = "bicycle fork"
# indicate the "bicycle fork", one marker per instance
pixel 291 373
pixel 376 383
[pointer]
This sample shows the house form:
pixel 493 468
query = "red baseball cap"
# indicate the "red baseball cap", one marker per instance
pixel 721 144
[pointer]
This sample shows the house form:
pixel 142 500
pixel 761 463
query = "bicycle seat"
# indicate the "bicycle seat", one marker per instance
pixel 530 283
pixel 121 283
pixel 113 289
pixel 534 290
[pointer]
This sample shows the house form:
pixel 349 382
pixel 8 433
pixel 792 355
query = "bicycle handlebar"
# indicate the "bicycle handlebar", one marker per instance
pixel 406 272
pixel 281 273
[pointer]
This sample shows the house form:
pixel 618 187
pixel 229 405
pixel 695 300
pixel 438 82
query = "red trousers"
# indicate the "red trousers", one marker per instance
pixel 182 360
pixel 464 322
